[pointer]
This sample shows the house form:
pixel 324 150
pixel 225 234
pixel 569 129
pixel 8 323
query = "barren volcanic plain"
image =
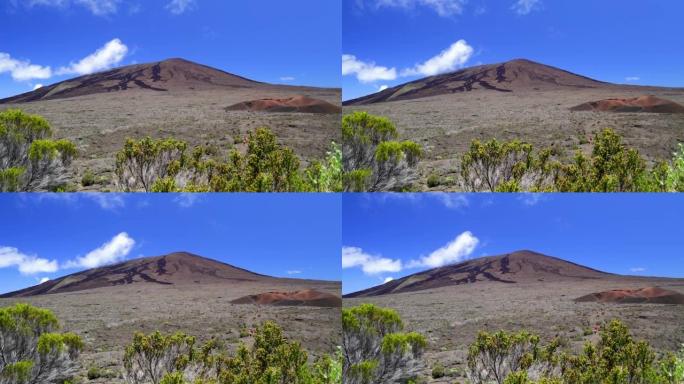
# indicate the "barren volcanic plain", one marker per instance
pixel 522 290
pixel 525 100
pixel 178 292
pixel 174 98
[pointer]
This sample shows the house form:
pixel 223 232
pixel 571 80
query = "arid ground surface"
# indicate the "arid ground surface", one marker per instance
pixel 445 124
pixel 450 316
pixel 192 109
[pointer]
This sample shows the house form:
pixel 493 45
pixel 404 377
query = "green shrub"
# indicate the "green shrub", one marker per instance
pixel 88 178
pixel 29 158
pixel 31 349
pixel 373 159
pixel 376 350
pixel 438 370
pixel 433 180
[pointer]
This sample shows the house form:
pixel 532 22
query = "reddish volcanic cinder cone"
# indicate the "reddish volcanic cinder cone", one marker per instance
pixel 308 297
pixel 649 104
pixel 652 295
pixel 302 104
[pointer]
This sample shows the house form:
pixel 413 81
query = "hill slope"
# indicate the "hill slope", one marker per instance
pixel 163 76
pixel 173 269
pixel 516 267
pixel 511 76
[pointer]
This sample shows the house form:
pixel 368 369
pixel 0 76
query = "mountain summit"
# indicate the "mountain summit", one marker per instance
pixel 162 76
pixel 517 267
pixel 511 76
pixel 177 268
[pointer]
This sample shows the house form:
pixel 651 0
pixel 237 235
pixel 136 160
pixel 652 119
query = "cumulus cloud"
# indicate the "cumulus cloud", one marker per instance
pixel 632 78
pixel 387 280
pixel 382 87
pixel 370 264
pixel 110 252
pixel 43 280
pixel 366 72
pixel 178 7
pixel 448 60
pixel 106 57
pixel 455 251
pixel 96 7
pixel 26 264
pixel 37 86
pixel 444 8
pixel 524 7
pixel 23 70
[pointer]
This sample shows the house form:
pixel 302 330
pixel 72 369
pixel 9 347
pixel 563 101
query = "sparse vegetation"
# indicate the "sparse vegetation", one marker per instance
pixel 376 350
pixel 174 359
pixel 165 165
pixel 612 167
pixel 30 159
pixel 31 349
pixel 373 158
pixel 617 358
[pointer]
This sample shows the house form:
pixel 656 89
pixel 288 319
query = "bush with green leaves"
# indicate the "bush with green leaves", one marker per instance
pixel 674 177
pixel 30 159
pixel 617 358
pixel 166 165
pixel 272 359
pixel 373 158
pixel 31 349
pixel 376 350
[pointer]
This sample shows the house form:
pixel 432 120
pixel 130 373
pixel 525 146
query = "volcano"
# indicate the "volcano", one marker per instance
pixel 308 297
pixel 300 104
pixel 653 295
pixel 512 76
pixel 512 268
pixel 172 75
pixel 180 268
pixel 648 104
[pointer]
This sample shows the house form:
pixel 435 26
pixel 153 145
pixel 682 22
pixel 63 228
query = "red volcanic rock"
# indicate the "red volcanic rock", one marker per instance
pixel 293 104
pixel 652 295
pixel 306 297
pixel 650 104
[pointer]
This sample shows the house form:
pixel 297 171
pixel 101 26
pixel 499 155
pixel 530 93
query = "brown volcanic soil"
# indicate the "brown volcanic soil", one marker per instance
pixel 653 295
pixel 307 297
pixel 650 104
pixel 98 112
pixel 197 303
pixel 300 104
pixel 536 110
pixel 541 300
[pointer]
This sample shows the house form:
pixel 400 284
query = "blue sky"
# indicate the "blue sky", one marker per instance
pixel 292 42
pixel 394 235
pixel 51 235
pixel 626 41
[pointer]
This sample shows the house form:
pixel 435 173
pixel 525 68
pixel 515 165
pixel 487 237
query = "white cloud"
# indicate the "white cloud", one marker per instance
pixel 110 252
pixel 178 7
pixel 23 70
pixel 387 280
pixel 382 88
pixel 43 280
pixel 443 8
pixel 370 264
pixel 294 272
pixel 530 198
pixel 366 72
pixel 524 7
pixel 451 200
pixel 97 7
pixel 632 78
pixel 187 200
pixel 448 200
pixel 106 57
pixel 637 269
pixel 446 61
pixel 287 78
pixel 27 264
pixel 37 86
pixel 455 251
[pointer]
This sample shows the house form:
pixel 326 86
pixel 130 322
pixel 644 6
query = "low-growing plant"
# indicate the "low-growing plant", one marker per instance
pixel 30 159
pixel 438 370
pixel 31 349
pixel 373 158
pixel 376 350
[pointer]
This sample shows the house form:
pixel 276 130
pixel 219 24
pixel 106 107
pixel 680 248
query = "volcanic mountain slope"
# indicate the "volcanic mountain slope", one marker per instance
pixel 173 269
pixel 511 76
pixel 517 267
pixel 172 75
